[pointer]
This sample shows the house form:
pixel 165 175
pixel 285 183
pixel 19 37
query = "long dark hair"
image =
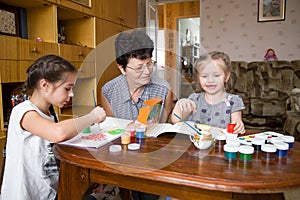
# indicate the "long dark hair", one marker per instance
pixel 53 68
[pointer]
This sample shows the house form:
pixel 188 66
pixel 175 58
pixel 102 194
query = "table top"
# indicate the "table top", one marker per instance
pixel 172 158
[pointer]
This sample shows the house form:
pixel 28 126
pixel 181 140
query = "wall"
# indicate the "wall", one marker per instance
pixel 231 26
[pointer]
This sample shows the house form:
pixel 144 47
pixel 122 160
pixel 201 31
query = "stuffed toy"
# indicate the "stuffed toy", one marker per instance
pixel 270 55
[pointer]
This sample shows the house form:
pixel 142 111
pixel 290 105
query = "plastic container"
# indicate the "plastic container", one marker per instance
pixel 262 136
pixel 246 153
pixel 276 139
pixel 282 149
pixel 125 138
pixel 230 151
pixel 290 140
pixel 234 142
pixel 131 131
pixel 256 143
pixel 268 152
pixel 140 132
pixel 220 141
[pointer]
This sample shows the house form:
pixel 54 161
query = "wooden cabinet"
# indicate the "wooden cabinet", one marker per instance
pixel 10 45
pixel 31 50
pixel 121 12
pixel 82 27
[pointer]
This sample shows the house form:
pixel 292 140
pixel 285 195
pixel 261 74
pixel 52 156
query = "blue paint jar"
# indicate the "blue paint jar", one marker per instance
pixel 140 132
pixel 289 139
pixel 282 149
pixel 230 151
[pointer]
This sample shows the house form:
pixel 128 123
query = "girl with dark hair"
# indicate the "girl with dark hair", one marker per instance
pixel 30 168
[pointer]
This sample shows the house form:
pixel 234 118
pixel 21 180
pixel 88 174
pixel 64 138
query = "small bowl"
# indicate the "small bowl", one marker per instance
pixel 203 141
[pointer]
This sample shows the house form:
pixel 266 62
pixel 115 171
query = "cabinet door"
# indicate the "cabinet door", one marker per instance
pixel 111 10
pixel 77 55
pixel 10 71
pixel 31 50
pixel 121 12
pixel 129 13
pixel 10 48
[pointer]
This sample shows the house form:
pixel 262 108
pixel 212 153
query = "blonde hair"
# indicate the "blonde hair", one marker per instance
pixel 204 59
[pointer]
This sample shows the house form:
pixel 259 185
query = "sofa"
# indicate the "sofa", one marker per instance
pixel 265 87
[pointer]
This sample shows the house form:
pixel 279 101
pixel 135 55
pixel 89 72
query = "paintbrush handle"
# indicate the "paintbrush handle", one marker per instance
pixel 196 130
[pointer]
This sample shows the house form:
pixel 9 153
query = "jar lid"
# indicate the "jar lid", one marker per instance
pixel 231 148
pixel 115 148
pixel 134 146
pixel 221 137
pixel 270 148
pixel 258 141
pixel 234 142
pixel 288 138
pixel 276 139
pixel 261 136
pixel 282 145
pixel 246 149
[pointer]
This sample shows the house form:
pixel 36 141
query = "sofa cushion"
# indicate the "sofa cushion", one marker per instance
pixel 267 107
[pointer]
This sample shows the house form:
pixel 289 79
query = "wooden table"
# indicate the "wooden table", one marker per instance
pixel 170 165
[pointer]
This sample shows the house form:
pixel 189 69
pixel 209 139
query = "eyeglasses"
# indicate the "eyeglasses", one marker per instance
pixel 150 65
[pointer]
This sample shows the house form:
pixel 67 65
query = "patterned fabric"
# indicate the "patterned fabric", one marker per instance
pixel 264 86
pixel 117 93
pixel 218 115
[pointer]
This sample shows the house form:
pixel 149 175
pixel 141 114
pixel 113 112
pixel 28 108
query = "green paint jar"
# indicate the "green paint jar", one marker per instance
pixel 245 153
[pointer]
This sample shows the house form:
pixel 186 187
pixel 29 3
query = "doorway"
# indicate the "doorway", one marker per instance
pixel 189 50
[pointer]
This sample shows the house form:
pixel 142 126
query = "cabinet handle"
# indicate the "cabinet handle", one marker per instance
pixel 34 50
pixel 80 54
pixel 121 19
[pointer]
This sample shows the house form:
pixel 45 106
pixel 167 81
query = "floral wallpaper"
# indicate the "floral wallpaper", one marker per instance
pixel 231 26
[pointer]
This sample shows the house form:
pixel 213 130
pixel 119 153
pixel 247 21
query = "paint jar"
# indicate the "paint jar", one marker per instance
pixel 269 138
pixel 125 138
pixel 234 142
pixel 256 143
pixel 262 136
pixel 268 152
pixel 245 153
pixel 230 151
pixel 290 140
pixel 131 131
pixel 276 139
pixel 140 132
pixel 220 141
pixel 230 128
pixel 282 149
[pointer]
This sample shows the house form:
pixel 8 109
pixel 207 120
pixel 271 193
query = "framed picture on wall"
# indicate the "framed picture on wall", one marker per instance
pixel 271 10
pixel 9 23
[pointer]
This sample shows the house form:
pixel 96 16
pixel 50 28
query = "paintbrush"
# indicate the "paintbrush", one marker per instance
pixel 95 105
pixel 196 130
